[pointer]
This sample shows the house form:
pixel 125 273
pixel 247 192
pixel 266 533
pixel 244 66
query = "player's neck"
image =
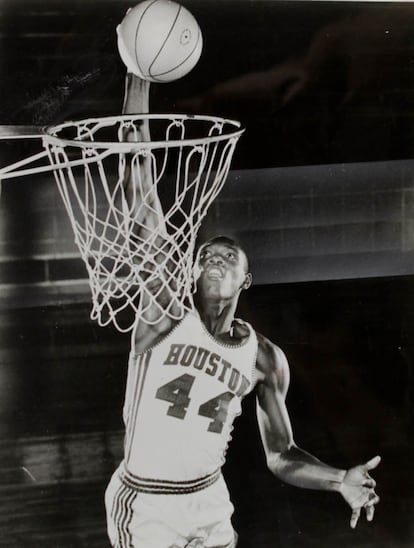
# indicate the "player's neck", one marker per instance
pixel 218 316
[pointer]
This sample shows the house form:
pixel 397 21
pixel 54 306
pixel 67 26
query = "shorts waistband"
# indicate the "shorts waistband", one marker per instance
pixel 167 487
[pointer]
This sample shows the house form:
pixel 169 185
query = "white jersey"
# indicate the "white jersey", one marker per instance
pixel 181 400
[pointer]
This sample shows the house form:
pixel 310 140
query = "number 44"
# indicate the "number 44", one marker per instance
pixel 177 392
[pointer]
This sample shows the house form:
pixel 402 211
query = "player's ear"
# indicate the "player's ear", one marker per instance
pixel 247 281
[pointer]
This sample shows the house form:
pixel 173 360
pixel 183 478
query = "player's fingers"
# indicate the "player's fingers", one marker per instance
pixel 373 463
pixel 369 482
pixel 370 512
pixel 370 506
pixel 355 517
pixel 372 500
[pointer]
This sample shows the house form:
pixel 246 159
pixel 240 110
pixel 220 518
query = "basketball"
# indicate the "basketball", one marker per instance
pixel 159 40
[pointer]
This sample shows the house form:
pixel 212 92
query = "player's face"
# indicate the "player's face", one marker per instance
pixel 221 270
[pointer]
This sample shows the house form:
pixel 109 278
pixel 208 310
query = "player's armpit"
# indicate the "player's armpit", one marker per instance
pixel 147 334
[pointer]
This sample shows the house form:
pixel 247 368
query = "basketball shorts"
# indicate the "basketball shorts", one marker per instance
pixel 140 514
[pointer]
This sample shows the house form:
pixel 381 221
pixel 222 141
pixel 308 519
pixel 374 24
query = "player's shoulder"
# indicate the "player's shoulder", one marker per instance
pixel 272 364
pixel 148 335
pixel 270 352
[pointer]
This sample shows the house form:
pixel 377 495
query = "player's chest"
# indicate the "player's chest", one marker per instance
pixel 194 383
pixel 210 364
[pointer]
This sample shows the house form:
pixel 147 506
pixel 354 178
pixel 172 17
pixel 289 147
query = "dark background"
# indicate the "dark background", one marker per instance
pixel 59 61
pixel 349 341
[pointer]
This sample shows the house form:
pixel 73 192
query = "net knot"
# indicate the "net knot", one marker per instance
pixel 178 123
pixel 218 126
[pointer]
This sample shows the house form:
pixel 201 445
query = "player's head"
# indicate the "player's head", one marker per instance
pixel 221 268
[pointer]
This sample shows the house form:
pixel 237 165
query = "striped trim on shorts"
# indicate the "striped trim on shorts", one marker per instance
pixel 167 487
pixel 122 514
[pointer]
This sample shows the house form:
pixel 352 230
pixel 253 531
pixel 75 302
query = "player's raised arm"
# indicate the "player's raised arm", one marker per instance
pixel 148 217
pixel 166 182
pixel 158 42
pixel 139 185
pixel 291 463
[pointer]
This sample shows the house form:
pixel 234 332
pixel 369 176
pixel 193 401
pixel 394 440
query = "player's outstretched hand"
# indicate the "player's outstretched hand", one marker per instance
pixel 358 489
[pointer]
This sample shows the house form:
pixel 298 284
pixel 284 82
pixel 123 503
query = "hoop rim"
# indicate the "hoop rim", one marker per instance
pixel 49 132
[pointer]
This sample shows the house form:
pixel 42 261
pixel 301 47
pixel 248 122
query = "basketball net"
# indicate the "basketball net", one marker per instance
pixel 182 168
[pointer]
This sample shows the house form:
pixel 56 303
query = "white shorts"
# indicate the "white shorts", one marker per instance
pixel 137 519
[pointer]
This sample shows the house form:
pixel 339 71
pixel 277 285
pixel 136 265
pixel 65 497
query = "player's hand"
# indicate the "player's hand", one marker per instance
pixel 358 489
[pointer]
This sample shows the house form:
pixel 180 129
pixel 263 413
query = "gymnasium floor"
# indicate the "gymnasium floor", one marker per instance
pixel 60 418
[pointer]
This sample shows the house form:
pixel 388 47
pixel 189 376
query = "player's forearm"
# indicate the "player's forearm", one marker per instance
pixel 302 469
pixel 138 178
pixel 136 99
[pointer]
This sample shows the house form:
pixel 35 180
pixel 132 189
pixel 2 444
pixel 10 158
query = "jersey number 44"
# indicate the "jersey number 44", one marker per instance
pixel 177 393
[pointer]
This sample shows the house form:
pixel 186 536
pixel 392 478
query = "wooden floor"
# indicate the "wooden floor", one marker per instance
pixel 61 392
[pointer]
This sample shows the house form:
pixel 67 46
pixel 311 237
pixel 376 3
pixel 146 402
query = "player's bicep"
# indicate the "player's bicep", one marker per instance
pixel 272 414
pixel 273 419
pixel 282 371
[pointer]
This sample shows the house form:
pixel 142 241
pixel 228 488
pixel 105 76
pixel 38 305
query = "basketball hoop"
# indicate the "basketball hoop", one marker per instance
pixel 188 158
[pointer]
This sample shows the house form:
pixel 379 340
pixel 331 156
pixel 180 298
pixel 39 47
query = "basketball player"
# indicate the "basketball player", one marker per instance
pixel 186 380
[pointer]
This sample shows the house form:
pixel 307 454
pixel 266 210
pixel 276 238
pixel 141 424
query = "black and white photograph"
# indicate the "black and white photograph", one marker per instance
pixel 206 274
